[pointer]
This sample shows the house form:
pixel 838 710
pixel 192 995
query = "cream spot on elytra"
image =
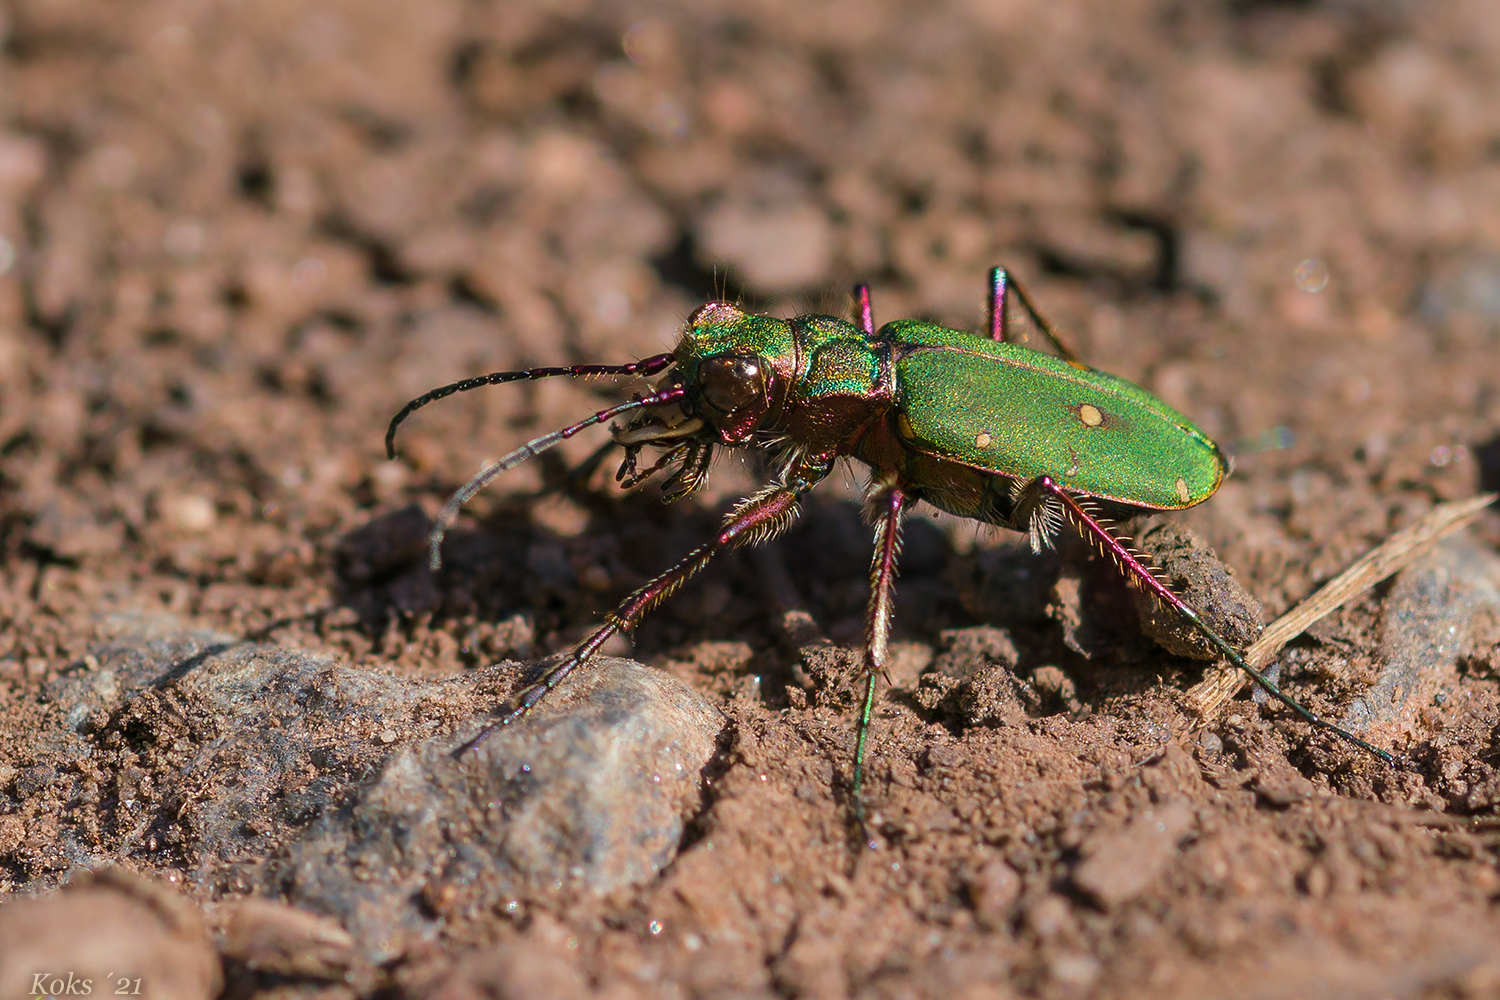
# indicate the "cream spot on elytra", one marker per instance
pixel 983 440
pixel 1090 415
pixel 1182 490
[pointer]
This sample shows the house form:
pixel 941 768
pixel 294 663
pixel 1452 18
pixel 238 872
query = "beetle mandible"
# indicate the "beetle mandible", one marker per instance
pixel 973 424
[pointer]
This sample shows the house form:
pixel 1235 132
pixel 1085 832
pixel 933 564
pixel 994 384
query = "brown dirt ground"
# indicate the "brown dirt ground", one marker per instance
pixel 236 237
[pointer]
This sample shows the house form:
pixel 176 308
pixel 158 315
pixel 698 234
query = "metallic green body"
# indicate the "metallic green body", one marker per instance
pixel 958 418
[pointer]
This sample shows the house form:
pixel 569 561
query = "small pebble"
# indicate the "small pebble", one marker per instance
pixel 1049 916
pixel 1118 865
pixel 993 890
pixel 189 513
pixel 266 936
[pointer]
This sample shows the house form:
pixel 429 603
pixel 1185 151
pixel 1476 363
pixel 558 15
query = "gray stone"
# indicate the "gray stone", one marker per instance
pixel 1428 623
pixel 271 769
pixel 591 792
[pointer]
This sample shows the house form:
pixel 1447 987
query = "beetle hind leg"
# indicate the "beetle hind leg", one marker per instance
pixel 1133 565
pixel 1112 543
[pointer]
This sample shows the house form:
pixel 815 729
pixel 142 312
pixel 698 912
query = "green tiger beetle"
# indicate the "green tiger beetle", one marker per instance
pixel 975 425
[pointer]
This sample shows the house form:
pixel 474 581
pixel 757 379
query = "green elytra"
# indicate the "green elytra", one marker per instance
pixel 975 425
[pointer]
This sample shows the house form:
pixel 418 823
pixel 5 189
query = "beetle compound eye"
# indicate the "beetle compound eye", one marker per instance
pixel 730 384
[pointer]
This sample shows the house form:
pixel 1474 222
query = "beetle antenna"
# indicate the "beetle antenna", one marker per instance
pixel 530 449
pixel 650 366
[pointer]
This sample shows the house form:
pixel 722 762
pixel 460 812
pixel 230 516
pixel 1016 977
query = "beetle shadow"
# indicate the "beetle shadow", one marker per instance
pixel 384 587
pixel 514 585
pixel 963 614
pixel 1042 634
pixel 530 573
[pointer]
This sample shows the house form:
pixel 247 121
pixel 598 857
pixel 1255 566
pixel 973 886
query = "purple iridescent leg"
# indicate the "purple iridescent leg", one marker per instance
pixel 1131 564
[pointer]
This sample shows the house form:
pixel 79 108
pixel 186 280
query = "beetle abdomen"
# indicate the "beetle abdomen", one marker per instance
pixel 1010 410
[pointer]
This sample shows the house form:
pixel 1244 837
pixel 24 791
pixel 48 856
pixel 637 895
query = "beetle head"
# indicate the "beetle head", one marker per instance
pixel 728 364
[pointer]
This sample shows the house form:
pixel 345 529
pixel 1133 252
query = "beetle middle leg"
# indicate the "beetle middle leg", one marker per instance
pixel 889 504
pixel 997 322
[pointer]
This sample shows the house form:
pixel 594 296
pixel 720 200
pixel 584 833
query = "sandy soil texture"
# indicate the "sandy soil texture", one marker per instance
pixel 236 237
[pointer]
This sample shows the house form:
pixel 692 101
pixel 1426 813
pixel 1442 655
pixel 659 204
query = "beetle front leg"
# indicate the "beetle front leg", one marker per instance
pixel 756 519
pixel 629 477
pixel 889 505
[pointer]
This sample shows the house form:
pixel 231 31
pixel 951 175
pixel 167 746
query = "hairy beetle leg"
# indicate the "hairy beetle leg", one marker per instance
pixel 891 504
pixel 1136 569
